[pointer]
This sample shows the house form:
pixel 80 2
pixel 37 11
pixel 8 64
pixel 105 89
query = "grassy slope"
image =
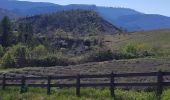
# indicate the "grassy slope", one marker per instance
pixel 153 38
pixel 120 66
pixel 156 38
pixel 159 38
pixel 86 94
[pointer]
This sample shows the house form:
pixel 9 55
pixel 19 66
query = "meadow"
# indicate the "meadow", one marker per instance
pixel 86 94
pixel 157 40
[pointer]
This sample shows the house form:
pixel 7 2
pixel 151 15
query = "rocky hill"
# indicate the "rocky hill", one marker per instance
pixel 73 21
pixel 128 19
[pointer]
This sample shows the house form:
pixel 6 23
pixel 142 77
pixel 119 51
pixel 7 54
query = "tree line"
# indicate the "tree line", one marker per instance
pixel 9 36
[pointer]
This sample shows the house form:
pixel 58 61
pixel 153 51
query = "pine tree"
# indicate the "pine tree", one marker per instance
pixel 29 33
pixel 5 31
pixel 25 33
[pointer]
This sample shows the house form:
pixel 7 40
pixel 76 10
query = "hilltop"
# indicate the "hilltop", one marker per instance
pixel 125 18
pixel 73 21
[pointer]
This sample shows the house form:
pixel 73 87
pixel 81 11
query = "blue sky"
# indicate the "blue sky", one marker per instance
pixel 147 6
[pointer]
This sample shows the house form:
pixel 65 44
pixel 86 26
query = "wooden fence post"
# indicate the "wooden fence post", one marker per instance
pixel 78 86
pixel 159 83
pixel 112 86
pixel 4 82
pixel 49 85
pixel 23 85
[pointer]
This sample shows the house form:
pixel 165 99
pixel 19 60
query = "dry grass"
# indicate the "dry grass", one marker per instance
pixel 121 66
pixel 157 38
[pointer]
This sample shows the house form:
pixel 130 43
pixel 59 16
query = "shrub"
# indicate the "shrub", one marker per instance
pixel 39 51
pixel 121 55
pixel 8 60
pixel 133 51
pixel 130 49
pixel 20 54
pixel 100 55
pixel 20 51
pixel 50 60
pixel 1 51
pixel 15 57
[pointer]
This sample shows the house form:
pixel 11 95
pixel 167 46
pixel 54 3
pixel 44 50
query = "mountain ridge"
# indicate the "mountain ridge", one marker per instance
pixel 112 15
pixel 73 21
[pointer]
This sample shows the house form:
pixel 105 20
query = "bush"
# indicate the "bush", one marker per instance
pixel 130 48
pixel 39 51
pixel 8 60
pixel 100 55
pixel 1 51
pixel 15 57
pixel 20 51
pixel 121 55
pixel 130 51
pixel 21 54
pixel 51 60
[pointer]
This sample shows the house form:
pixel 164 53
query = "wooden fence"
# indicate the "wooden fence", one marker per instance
pixel 160 84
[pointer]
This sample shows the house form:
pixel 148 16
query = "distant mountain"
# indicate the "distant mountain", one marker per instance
pixel 143 22
pixel 125 18
pixel 22 7
pixel 4 12
pixel 72 21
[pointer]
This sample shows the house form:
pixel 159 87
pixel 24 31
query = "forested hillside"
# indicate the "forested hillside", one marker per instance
pixel 82 22
pixel 125 18
pixel 64 38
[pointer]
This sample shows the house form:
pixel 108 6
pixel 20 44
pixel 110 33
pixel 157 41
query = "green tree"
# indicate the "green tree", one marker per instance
pixel 1 51
pixel 28 33
pixel 25 33
pixel 5 31
pixel 15 57
pixel 39 51
pixel 21 33
pixel 8 60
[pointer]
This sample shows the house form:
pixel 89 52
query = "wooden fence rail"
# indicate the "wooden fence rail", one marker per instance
pixel 160 84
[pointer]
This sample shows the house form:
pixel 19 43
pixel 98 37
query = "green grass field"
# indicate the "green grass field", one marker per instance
pixel 86 94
